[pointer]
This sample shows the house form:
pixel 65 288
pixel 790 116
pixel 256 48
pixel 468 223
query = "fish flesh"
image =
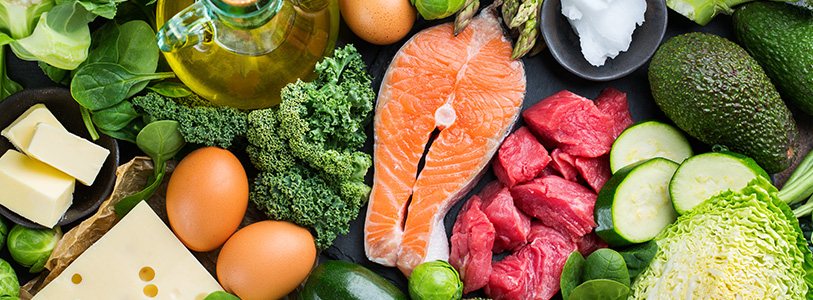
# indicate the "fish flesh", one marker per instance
pixel 466 91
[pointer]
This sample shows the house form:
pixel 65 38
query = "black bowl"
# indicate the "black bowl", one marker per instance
pixel 563 42
pixel 86 199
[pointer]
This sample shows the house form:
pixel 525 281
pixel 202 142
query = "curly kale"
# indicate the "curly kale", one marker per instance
pixel 306 150
pixel 324 120
pixel 201 121
pixel 301 196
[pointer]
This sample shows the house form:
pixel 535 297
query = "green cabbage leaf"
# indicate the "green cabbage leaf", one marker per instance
pixel 735 245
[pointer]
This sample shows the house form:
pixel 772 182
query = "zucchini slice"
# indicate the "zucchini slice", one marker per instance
pixel 634 205
pixel 648 139
pixel 704 175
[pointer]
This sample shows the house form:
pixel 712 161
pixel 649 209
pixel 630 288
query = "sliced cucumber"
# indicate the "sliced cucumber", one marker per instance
pixel 646 140
pixel 634 205
pixel 704 175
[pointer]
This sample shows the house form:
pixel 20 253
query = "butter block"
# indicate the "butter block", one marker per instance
pixel 33 189
pixel 20 131
pixel 67 152
pixel 139 258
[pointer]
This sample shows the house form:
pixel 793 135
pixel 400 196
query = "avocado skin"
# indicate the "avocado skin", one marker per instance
pixel 779 36
pixel 713 90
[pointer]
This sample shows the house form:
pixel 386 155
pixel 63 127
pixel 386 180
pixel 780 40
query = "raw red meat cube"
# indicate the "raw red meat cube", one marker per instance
pixel 533 271
pixel 511 226
pixel 571 122
pixel 595 170
pixel 520 158
pixel 565 164
pixel 614 104
pixel 472 240
pixel 558 203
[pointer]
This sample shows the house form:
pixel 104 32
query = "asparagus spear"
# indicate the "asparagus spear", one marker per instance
pixel 526 40
pixel 464 16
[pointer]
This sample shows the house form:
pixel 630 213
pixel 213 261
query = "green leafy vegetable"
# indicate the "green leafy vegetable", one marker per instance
pixel 736 243
pixel 702 11
pixel 160 140
pixel 437 9
pixel 9 284
pixel 606 263
pixel 18 17
pixel 7 86
pixel 571 274
pixel 57 75
pixel 600 289
pixel 171 89
pixel 639 256
pixel 201 122
pixel 61 38
pixel 31 247
pixel 311 173
pixel 435 280
pixel 116 117
pixel 102 85
pixel 104 8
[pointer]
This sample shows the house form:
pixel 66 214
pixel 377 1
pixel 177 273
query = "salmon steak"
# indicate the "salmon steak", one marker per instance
pixel 464 91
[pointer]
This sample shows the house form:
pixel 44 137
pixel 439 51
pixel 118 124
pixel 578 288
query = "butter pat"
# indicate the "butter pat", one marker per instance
pixel 20 131
pixel 140 258
pixel 67 152
pixel 33 189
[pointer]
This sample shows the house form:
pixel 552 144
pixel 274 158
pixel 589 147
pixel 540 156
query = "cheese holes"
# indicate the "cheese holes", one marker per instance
pixel 76 278
pixel 146 274
pixel 151 290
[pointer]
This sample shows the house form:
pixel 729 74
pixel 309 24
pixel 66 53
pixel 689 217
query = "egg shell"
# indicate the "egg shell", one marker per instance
pixel 381 22
pixel 266 260
pixel 207 198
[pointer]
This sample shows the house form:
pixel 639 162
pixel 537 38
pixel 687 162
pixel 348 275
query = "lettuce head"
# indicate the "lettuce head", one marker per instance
pixel 736 245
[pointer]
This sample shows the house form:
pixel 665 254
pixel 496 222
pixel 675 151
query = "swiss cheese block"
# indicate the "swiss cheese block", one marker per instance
pixel 139 258
pixel 33 189
pixel 67 152
pixel 20 131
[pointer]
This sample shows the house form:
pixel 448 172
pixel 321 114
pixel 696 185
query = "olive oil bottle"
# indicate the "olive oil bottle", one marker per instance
pixel 241 53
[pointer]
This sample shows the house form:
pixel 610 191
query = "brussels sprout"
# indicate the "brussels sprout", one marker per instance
pixel 32 247
pixel 9 285
pixel 216 295
pixel 438 9
pixel 435 280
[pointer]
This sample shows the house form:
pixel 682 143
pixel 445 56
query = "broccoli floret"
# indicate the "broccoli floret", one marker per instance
pixel 201 122
pixel 324 120
pixel 266 150
pixel 300 196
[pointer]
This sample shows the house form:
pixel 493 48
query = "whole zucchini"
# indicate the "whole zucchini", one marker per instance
pixel 337 279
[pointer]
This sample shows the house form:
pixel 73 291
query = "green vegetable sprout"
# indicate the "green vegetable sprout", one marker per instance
pixel 435 280
pixel 306 149
pixel 32 247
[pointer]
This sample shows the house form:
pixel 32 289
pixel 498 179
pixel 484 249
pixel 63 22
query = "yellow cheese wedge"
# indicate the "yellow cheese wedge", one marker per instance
pixel 33 189
pixel 140 258
pixel 67 152
pixel 20 131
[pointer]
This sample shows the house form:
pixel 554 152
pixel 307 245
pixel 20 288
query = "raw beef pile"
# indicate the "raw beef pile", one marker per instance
pixel 541 206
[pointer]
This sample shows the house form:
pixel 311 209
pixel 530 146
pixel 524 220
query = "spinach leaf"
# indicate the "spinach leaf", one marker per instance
pixel 57 75
pixel 606 264
pixel 138 52
pixel 104 44
pixel 600 289
pixel 88 123
pixel 101 85
pixel 639 256
pixel 128 133
pixel 116 117
pixel 161 140
pixel 171 89
pixel 571 273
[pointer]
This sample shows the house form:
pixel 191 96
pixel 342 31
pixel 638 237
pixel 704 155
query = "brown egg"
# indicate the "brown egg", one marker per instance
pixel 207 197
pixel 266 260
pixel 380 22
